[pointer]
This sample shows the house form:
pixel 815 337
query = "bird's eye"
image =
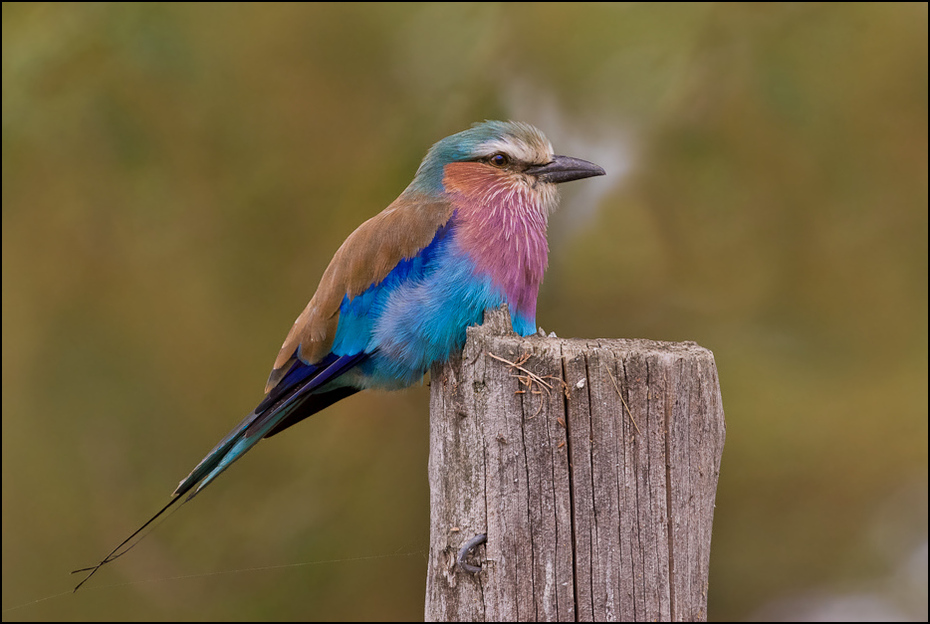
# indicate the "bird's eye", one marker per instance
pixel 499 160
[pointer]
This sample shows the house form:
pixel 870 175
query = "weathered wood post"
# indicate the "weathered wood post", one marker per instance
pixel 591 466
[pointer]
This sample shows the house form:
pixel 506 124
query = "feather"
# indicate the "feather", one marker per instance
pixel 367 256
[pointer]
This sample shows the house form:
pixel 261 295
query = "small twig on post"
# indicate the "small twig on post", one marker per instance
pixel 530 377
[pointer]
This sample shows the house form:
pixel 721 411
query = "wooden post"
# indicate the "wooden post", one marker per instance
pixel 591 466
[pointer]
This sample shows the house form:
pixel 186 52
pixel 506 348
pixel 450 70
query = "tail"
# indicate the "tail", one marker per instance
pixel 291 401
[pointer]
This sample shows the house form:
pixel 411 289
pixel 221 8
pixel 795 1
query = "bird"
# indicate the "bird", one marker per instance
pixel 467 234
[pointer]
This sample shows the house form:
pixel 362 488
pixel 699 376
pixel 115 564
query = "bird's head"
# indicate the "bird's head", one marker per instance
pixel 495 154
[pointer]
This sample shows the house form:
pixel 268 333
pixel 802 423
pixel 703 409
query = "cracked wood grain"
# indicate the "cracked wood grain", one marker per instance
pixel 592 467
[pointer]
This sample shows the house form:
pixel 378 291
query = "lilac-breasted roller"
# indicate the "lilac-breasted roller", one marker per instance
pixel 468 234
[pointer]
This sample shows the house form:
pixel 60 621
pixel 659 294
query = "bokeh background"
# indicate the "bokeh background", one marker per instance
pixel 177 177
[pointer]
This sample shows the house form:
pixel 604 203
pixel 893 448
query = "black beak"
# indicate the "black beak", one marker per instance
pixel 565 169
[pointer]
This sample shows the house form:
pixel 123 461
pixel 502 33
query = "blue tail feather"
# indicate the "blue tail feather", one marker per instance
pixel 295 389
pixel 289 402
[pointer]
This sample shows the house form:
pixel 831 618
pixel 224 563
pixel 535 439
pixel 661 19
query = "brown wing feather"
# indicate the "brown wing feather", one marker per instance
pixel 365 258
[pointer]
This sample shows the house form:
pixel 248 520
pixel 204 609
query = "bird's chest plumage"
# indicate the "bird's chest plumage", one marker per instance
pixel 500 225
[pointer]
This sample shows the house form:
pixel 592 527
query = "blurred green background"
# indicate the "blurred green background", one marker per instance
pixel 177 177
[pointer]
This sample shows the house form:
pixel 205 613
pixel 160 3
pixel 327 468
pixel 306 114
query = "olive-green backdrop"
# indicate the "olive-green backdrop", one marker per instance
pixel 176 178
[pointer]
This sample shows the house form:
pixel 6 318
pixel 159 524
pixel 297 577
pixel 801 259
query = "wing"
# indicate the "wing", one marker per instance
pixel 302 382
pixel 370 253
